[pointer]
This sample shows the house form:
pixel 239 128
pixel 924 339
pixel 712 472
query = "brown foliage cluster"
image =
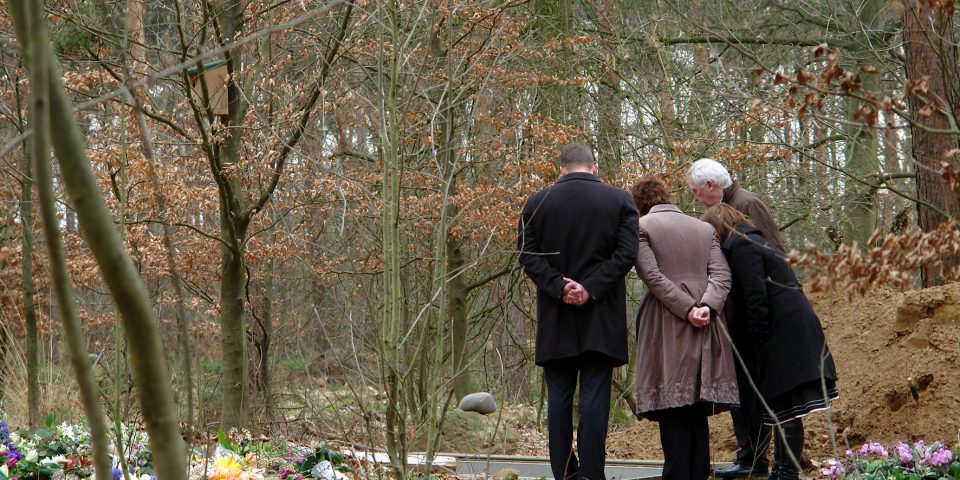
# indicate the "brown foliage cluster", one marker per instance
pixel 892 260
pixel 946 6
pixel 809 90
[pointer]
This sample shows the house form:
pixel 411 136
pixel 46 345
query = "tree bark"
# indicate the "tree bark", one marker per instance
pixel 136 98
pixel 931 57
pixel 125 285
pixel 862 161
pixel 30 29
pixel 394 307
pixel 29 309
pixel 609 102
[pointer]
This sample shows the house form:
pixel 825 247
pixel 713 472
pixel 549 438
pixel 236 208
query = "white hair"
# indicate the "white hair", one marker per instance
pixel 708 169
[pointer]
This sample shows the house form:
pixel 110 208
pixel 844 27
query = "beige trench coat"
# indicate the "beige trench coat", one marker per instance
pixel 680 261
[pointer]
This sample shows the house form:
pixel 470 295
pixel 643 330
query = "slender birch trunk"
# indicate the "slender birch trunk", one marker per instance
pixel 96 224
pixel 28 19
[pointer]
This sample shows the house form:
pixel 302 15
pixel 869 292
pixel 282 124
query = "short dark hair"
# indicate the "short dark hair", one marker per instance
pixel 649 191
pixel 576 155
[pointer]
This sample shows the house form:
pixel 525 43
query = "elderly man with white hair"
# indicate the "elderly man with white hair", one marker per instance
pixel 710 183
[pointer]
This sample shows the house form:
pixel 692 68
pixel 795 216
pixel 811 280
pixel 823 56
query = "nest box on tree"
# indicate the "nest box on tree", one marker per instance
pixel 215 77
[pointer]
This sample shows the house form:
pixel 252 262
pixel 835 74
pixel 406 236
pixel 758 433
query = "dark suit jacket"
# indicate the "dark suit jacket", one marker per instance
pixel 782 324
pixel 585 230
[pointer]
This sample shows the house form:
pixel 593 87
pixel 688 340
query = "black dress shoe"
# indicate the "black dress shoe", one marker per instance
pixel 740 471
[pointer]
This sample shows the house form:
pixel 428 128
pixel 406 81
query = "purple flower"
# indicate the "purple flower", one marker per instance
pixel 904 454
pixel 4 431
pixel 873 448
pixel 834 469
pixel 117 474
pixel 941 457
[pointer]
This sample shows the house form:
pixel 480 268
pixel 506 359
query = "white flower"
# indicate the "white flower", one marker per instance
pixel 31 455
pixel 14 437
pixel 55 460
pixel 4 470
pixel 144 477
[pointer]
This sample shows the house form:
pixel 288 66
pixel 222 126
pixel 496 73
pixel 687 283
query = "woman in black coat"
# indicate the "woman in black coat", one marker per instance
pixel 795 373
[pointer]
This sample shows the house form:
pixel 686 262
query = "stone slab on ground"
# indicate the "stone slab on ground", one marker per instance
pixel 531 467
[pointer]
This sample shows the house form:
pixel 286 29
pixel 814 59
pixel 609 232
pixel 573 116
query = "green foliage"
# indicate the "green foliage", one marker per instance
pixel 69 38
pixel 621 416
pixel 211 366
pixel 296 364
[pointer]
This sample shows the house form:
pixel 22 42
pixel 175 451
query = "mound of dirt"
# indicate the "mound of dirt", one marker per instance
pixel 897 355
pixel 884 343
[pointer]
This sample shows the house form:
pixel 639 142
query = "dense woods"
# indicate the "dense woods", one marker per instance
pixel 254 205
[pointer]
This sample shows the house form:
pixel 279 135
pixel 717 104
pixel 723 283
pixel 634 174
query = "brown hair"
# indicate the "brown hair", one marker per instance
pixel 649 191
pixel 725 218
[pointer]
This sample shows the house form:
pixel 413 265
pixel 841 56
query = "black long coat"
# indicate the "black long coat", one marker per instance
pixel 769 300
pixel 585 230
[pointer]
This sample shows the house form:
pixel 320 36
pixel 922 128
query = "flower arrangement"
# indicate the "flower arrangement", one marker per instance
pixel 64 452
pixel 228 467
pixel 917 461
pixel 321 460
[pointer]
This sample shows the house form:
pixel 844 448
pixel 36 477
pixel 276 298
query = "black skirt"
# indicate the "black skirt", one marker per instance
pixel 801 401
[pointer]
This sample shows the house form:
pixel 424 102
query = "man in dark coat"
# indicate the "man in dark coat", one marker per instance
pixel 577 241
pixel 710 183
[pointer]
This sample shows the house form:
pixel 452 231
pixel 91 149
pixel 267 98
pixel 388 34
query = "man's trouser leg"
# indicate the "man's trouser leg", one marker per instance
pixel 561 377
pixel 596 371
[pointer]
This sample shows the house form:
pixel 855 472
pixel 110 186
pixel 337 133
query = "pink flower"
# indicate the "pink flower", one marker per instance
pixel 940 458
pixel 904 454
pixel 834 469
pixel 871 448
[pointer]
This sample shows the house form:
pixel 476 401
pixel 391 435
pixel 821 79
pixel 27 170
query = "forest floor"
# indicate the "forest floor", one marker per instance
pixel 880 342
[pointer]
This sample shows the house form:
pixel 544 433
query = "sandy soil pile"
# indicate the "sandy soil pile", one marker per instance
pixel 882 343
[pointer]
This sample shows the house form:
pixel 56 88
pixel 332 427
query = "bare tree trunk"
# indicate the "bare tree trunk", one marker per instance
pixel 860 201
pixel 265 376
pixel 234 221
pixel 233 278
pixel 125 285
pixel 925 50
pixel 29 23
pixel 138 57
pixel 609 109
pixel 394 308
pixel 29 309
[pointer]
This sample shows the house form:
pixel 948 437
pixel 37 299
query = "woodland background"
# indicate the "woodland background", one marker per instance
pixel 334 219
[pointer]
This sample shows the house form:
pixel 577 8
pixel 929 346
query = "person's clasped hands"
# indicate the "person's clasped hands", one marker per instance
pixel 574 293
pixel 699 316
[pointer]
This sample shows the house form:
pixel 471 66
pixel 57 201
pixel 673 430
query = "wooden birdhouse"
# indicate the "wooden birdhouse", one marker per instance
pixel 215 76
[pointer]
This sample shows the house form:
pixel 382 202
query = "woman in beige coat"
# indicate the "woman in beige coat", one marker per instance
pixel 685 369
